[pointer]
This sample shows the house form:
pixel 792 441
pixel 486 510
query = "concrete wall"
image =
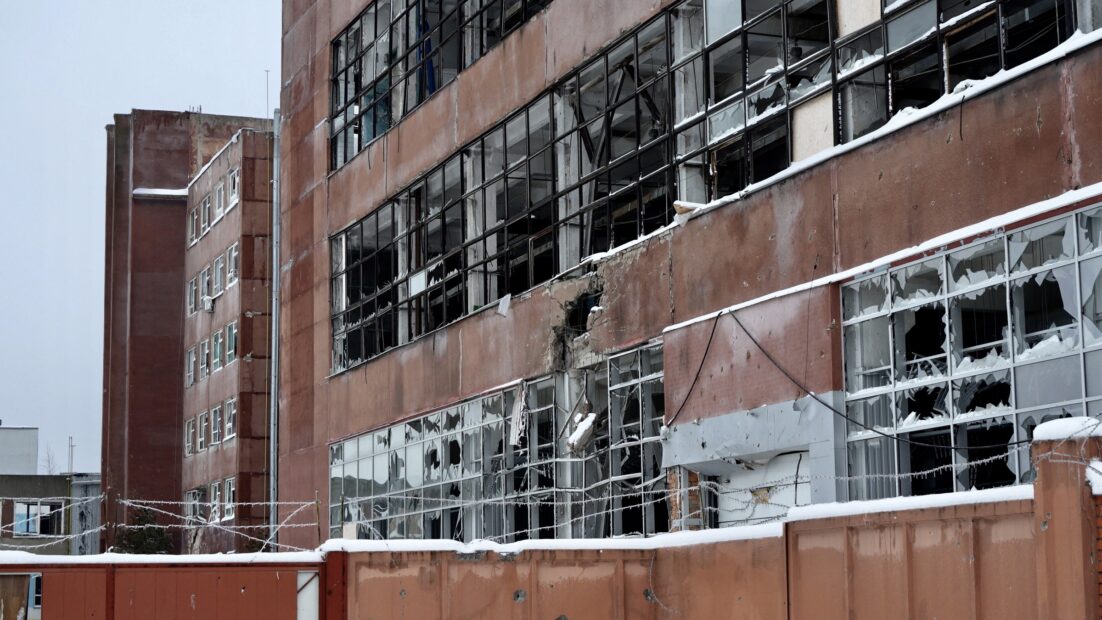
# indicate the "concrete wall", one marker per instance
pixel 18 450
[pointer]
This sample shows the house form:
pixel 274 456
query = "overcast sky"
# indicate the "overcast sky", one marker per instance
pixel 65 68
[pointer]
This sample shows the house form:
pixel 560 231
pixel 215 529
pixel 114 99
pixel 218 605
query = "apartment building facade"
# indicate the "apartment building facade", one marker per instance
pixel 227 337
pixel 578 268
pixel 153 159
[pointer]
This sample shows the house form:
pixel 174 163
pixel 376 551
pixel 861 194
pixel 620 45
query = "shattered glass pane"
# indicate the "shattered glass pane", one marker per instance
pixel 980 329
pixel 920 342
pixel 726 122
pixel 1053 381
pixel 919 281
pixel 433 461
pixel 979 444
pixel 875 412
pixel 1091 273
pixel 1045 314
pixel 1090 231
pixel 976 264
pixel 982 395
pixel 623 368
pixel 766 100
pixel 865 297
pixel 809 77
pixel 931 453
pixel 415 465
pixel 1041 245
pixel 872 469
pixel 860 52
pixel 924 405
pixel 868 364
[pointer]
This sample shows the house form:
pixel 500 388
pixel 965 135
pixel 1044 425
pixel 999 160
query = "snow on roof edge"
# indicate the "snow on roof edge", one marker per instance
pixel 152 192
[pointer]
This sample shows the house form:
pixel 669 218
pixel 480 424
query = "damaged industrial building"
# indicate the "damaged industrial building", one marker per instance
pixel 577 269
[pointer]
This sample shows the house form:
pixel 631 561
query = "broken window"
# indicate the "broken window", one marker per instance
pixel 923 405
pixel 1014 334
pixel 726 69
pixel 808 29
pixel 916 79
pixel 1045 313
pixel 979 445
pixel 980 329
pixel 867 296
pixel 1090 230
pixel 730 170
pixel 1042 245
pixel 863 103
pixel 929 451
pixel 765 50
pixel 875 412
pixel 1033 27
pixel 768 148
pixel 973 52
pixel 501 466
pixel 982 395
pixel 860 51
pixel 809 77
pixel 189 437
pixel 203 430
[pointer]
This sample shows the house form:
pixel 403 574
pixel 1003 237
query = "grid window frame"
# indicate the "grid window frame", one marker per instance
pixel 1004 368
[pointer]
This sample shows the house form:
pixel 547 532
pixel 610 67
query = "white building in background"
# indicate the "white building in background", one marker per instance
pixel 18 450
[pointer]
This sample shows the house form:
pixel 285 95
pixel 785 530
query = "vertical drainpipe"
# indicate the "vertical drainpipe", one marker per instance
pixel 273 398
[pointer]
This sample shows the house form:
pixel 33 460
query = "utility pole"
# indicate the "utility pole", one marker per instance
pixel 71 446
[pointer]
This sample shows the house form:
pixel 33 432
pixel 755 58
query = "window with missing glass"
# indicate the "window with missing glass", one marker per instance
pixel 696 104
pixel 581 169
pixel 396 54
pixel 924 48
pixel 568 456
pixel 965 352
pixel 734 81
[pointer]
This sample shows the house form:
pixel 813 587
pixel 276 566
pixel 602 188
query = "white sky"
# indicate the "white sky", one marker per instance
pixel 65 68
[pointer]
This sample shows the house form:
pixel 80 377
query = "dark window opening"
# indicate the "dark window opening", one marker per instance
pixel 916 79
pixel 973 53
pixel 1033 27
pixel 931 450
pixel 863 104
pixel 768 149
pixel 808 29
pixel 979 442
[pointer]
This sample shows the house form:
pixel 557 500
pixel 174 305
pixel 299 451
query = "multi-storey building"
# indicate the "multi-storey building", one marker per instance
pixel 227 337
pixel 578 268
pixel 159 172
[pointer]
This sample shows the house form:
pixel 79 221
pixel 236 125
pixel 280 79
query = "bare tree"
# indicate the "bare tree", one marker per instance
pixel 49 463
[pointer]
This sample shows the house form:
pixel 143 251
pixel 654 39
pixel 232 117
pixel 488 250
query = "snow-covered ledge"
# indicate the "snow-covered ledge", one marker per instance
pixel 159 193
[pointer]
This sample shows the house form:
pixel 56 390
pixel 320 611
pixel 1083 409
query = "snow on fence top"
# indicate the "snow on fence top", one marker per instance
pixel 1068 428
